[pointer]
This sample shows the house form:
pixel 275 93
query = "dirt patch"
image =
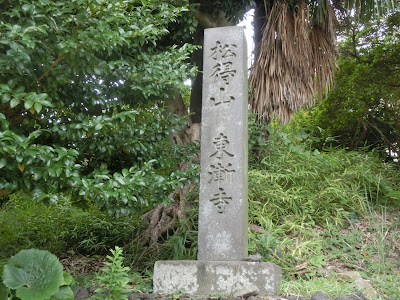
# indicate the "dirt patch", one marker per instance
pixel 80 265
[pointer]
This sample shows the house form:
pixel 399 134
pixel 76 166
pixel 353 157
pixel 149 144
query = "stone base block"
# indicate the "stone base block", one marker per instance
pixel 204 278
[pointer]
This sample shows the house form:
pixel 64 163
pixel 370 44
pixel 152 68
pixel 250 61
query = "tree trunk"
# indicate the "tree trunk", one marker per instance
pixel 164 219
pixel 259 22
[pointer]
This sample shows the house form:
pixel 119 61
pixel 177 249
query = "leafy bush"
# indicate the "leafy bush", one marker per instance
pixel 60 227
pixel 80 108
pixel 363 107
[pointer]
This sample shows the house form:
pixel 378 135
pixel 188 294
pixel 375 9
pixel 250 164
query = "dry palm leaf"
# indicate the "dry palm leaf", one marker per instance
pixel 294 60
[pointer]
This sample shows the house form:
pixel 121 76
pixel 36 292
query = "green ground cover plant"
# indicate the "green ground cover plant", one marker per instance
pixel 309 186
pixel 331 286
pixel 60 227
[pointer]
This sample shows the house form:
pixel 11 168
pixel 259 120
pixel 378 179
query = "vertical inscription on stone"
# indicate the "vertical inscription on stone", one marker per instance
pixel 223 178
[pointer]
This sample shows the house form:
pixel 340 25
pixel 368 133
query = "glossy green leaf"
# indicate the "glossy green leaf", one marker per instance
pixel 3 162
pixel 28 104
pixel 5 98
pixel 38 106
pixel 67 278
pixel 14 102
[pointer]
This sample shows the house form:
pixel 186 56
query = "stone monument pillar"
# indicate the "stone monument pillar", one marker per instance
pixel 223 220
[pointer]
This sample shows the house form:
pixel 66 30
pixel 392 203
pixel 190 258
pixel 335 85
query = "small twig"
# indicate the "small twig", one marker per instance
pixel 356 267
pixel 61 57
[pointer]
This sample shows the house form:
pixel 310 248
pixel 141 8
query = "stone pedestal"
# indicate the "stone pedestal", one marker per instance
pixel 205 278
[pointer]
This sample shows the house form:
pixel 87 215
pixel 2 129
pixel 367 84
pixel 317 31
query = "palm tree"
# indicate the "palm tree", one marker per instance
pixel 295 58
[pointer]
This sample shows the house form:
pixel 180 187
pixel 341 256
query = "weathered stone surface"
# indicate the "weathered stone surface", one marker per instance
pixel 246 292
pixel 349 275
pixel 81 293
pixel 223 216
pixel 256 229
pixel 255 258
pixel 258 298
pixel 204 278
pixel 357 295
pixel 296 298
pixel 140 296
pixel 366 287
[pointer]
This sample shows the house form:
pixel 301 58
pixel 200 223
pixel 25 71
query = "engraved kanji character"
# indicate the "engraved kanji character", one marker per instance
pixel 221 51
pixel 221 97
pixel 223 68
pixel 220 200
pixel 224 71
pixel 221 142
pixel 220 173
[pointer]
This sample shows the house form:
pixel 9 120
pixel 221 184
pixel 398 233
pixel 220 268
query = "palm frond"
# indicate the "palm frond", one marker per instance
pixel 296 58
pixel 294 63
pixel 365 9
pixel 324 53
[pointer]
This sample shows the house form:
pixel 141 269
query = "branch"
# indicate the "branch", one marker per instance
pixel 209 20
pixel 61 57
pixel 385 139
pixel 354 44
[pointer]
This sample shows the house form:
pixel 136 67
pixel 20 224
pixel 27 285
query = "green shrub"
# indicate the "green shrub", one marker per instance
pixel 60 227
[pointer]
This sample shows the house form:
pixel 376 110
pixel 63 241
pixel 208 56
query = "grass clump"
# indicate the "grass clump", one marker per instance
pixel 293 182
pixel 60 227
pixel 331 286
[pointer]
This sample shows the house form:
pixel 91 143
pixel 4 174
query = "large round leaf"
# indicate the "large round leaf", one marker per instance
pixel 34 274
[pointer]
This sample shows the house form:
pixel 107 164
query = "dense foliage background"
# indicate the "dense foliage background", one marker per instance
pixel 363 108
pixel 82 85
